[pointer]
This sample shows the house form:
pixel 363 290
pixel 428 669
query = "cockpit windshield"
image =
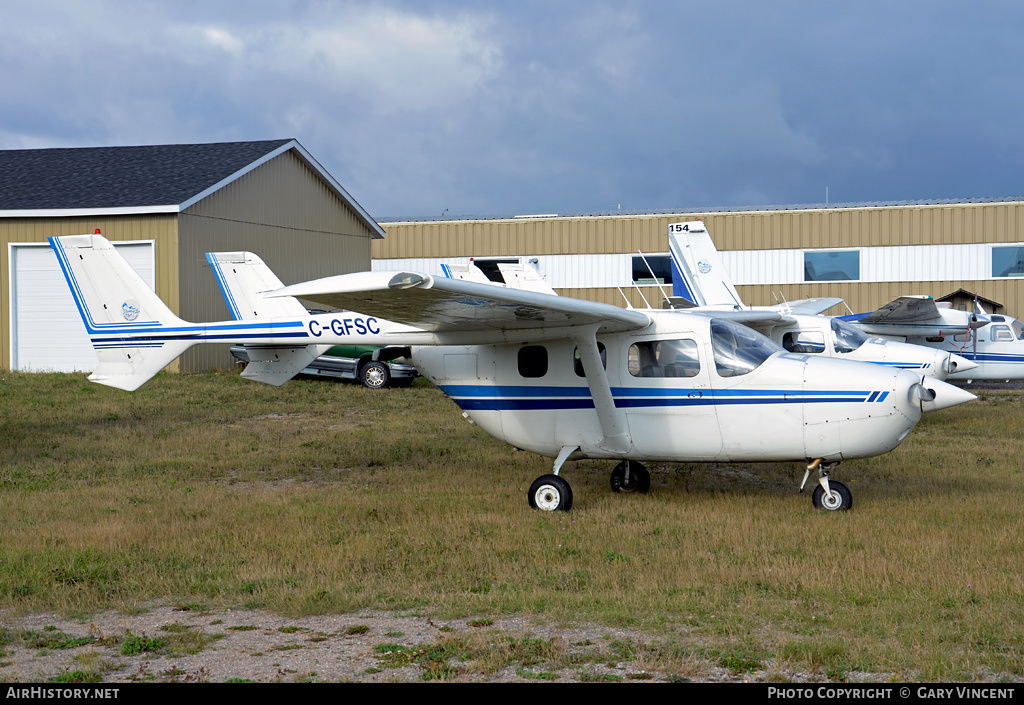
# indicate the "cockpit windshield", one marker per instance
pixel 1018 329
pixel 846 337
pixel 738 349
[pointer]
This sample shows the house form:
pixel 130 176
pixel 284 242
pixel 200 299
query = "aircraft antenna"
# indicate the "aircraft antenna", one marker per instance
pixel 640 291
pixel 660 287
pixel 784 301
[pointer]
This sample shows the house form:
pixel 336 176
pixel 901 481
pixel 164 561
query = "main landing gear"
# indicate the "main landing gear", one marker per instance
pixel 631 476
pixel 829 494
pixel 551 493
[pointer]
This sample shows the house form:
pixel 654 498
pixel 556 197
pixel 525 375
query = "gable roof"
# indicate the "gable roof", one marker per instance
pixel 145 179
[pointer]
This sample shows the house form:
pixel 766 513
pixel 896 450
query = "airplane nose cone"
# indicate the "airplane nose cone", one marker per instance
pixel 935 394
pixel 956 363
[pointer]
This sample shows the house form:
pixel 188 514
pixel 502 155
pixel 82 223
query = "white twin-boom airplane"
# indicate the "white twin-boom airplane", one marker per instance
pixel 564 378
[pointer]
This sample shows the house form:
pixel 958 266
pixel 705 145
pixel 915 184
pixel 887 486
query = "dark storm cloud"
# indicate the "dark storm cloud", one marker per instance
pixel 545 107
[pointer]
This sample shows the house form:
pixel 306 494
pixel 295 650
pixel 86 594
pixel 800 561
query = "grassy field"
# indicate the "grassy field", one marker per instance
pixel 319 497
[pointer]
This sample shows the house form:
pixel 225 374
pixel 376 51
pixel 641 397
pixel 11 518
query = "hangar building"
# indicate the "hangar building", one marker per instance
pixel 164 206
pixel 864 253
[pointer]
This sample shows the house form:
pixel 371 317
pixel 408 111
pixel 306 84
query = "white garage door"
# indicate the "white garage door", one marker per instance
pixel 47 333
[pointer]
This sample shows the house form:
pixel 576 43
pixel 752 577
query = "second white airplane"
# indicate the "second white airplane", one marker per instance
pixel 798 326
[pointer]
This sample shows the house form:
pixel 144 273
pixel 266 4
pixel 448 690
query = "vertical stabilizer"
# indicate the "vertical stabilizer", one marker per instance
pixel 134 333
pixel 243 278
pixel 697 271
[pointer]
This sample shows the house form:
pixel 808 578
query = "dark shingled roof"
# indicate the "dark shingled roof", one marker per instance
pixel 120 177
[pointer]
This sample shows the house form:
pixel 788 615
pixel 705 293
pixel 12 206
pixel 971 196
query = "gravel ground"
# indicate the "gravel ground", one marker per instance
pixel 263 647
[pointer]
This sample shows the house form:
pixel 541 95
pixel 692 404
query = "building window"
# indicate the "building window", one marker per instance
pixel 1008 262
pixel 832 266
pixel 661 265
pixel 533 361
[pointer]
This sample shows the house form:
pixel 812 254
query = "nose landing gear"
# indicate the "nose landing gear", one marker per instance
pixel 829 495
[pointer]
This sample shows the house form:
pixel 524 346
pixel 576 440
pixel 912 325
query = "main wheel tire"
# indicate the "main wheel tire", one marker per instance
pixel 841 498
pixel 550 493
pixel 374 375
pixel 639 479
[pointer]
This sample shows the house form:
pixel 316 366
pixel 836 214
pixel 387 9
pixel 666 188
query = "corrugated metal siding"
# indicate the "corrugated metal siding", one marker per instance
pixel 161 228
pixel 285 214
pixel 840 227
pixel 875 226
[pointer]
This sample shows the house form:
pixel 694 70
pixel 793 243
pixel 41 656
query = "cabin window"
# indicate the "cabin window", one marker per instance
pixel 577 363
pixel 832 266
pixel 738 349
pixel 846 338
pixel 533 361
pixel 804 342
pixel 660 265
pixel 964 338
pixel 664 358
pixel 1002 334
pixel 1007 262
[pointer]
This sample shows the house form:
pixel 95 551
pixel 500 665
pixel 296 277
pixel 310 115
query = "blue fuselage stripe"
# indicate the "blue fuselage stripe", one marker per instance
pixel 504 398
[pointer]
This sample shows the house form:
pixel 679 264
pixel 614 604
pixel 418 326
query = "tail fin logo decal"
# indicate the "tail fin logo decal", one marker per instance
pixel 704 267
pixel 129 312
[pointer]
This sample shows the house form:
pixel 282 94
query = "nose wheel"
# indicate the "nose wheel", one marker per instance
pixel 829 495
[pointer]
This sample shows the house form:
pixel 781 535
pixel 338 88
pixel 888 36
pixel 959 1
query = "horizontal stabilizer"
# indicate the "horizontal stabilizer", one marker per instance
pixel 131 365
pixel 277 365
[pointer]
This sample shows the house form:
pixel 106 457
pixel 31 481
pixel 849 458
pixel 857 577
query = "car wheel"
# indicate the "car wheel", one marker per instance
pixel 374 375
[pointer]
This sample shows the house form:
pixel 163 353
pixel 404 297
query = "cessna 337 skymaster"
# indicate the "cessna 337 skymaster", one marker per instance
pixel 994 342
pixel 561 377
pixel 701 278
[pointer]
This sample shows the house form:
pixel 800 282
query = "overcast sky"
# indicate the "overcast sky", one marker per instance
pixel 560 106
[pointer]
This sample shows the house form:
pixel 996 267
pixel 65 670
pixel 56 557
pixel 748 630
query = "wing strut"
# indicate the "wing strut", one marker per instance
pixel 612 419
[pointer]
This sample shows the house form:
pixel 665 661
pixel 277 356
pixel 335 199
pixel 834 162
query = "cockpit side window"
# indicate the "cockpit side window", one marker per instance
pixel 804 342
pixel 664 358
pixel 738 350
pixel 845 337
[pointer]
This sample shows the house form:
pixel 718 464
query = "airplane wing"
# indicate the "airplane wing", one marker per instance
pixel 745 316
pixel 440 305
pixel 813 306
pixel 905 309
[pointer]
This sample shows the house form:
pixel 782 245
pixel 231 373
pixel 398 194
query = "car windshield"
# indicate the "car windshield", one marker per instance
pixel 846 337
pixel 738 349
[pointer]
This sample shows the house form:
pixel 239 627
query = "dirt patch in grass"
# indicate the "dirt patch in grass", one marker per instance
pixel 189 644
